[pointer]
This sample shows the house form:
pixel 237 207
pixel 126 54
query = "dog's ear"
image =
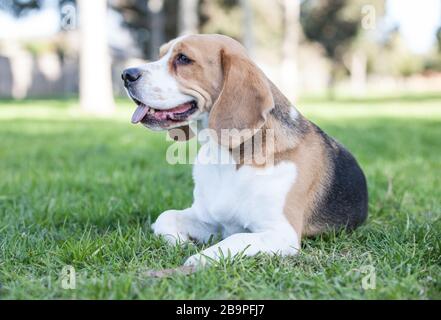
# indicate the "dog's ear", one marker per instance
pixel 164 48
pixel 244 101
pixel 182 133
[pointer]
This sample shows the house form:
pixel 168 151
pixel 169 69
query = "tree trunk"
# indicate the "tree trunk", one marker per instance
pixel 332 82
pixel 358 72
pixel 95 68
pixel 247 23
pixel 188 17
pixel 289 68
pixel 157 26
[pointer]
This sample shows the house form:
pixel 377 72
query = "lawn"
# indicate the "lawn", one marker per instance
pixel 81 191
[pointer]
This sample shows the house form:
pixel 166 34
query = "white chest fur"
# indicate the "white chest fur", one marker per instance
pixel 245 205
pixel 239 200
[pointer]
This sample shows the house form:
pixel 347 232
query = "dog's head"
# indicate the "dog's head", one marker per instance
pixel 197 75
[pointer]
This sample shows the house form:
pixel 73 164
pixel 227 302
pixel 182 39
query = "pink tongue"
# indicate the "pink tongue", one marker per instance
pixel 142 111
pixel 163 114
pixel 139 113
pixel 181 108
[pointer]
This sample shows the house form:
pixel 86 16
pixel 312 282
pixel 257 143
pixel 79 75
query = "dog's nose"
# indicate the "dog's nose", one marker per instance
pixel 131 75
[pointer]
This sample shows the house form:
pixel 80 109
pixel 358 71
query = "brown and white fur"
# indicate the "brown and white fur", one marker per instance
pixel 312 185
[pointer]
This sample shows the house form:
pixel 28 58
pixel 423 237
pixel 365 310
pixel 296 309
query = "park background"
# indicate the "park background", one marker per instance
pixel 80 186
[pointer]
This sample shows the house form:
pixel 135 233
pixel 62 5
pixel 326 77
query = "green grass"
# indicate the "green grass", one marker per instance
pixel 81 191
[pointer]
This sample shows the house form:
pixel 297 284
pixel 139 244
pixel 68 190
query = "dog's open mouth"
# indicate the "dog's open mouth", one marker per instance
pixel 148 115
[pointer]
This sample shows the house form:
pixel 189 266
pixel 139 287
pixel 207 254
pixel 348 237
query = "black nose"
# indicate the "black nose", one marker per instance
pixel 131 75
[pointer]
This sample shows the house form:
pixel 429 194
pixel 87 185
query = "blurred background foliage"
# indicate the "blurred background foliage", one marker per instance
pixel 305 46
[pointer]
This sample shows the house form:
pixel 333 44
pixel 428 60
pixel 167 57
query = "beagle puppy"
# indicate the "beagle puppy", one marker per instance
pixel 294 181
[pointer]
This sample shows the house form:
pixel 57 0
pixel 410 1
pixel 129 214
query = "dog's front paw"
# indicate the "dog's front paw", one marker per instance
pixel 167 226
pixel 174 239
pixel 197 260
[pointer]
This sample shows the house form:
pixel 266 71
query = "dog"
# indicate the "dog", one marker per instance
pixel 305 183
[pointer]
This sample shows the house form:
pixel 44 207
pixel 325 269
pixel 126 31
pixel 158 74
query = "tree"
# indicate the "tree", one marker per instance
pixel 325 22
pixel 157 26
pixel 224 17
pixel 151 22
pixel 363 49
pixel 291 9
pixel 95 70
pixel 188 18
pixel 20 8
pixel 247 26
pixel 438 38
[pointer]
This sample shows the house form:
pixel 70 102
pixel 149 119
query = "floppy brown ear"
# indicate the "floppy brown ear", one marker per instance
pixel 245 99
pixel 164 48
pixel 182 133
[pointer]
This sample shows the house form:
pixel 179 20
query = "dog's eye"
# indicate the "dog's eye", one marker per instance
pixel 183 59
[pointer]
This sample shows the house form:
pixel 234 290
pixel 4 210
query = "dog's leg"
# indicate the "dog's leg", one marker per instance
pixel 182 225
pixel 283 240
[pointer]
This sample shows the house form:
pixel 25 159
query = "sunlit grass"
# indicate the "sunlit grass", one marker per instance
pixel 82 191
